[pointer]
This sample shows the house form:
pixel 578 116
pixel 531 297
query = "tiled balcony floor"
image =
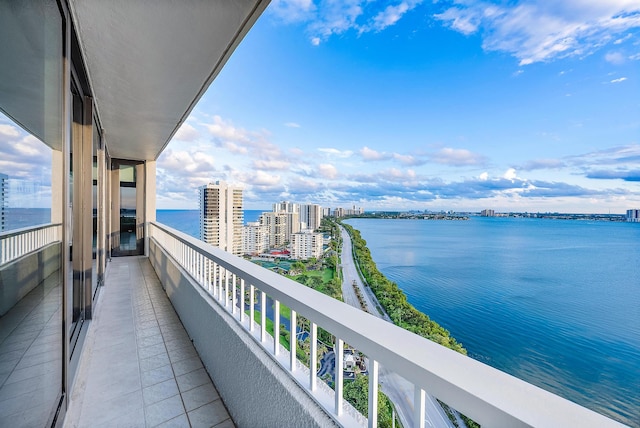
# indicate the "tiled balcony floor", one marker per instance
pixel 138 366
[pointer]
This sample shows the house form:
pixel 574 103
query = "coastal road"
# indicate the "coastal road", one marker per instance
pixel 350 274
pixel 399 390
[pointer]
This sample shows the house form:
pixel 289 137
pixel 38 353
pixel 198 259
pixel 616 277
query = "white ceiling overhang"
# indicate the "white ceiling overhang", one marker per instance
pixel 149 62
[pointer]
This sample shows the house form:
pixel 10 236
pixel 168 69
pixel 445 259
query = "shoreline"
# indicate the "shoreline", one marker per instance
pixel 405 314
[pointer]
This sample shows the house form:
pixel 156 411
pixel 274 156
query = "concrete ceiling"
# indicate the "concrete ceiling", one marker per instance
pixel 149 62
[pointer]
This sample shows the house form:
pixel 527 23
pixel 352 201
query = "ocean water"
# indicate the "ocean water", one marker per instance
pixel 556 303
pixel 188 221
pixel 18 218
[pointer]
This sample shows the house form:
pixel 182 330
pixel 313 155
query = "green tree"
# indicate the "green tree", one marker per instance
pixel 356 392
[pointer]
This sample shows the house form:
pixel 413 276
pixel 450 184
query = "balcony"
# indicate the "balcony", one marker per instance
pixel 173 341
pixel 138 366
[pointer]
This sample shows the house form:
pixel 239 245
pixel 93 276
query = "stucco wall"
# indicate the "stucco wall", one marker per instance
pixel 21 276
pixel 255 389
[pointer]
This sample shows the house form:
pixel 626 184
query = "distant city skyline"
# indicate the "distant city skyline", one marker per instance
pixel 464 106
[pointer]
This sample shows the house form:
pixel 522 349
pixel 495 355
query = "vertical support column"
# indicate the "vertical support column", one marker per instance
pixel 373 393
pixel 313 355
pixel 234 291
pixel 339 374
pixel 57 186
pixel 418 406
pixel 263 316
pixel 276 327
pixel 252 302
pixel 114 233
pixel 226 288
pixel 141 186
pixel 242 301
pixel 67 223
pixel 102 212
pixel 82 204
pixel 149 200
pixel 293 340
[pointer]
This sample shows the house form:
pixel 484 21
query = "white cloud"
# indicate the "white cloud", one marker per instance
pixel 484 176
pixel 292 10
pixel 186 133
pixel 621 79
pixel 408 159
pixel 335 152
pixel 327 171
pixel 372 155
pixel 315 41
pixel 614 58
pixel 392 14
pixel 457 157
pixel 226 131
pixel 465 21
pixel 240 141
pixel 544 30
pixel 510 174
pixel 261 178
pixel 292 125
pixel 9 132
pixel 271 165
pixel 187 163
pixel 335 17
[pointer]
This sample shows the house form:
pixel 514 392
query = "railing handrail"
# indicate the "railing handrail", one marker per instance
pixel 18 243
pixel 16 232
pixel 487 395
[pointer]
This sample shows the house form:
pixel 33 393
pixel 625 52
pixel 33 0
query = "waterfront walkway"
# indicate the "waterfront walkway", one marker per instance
pixel 138 367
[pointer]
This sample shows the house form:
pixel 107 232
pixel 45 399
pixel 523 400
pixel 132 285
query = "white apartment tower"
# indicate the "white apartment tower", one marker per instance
pixel 255 238
pixel 633 216
pixel 4 193
pixel 311 216
pixel 286 207
pixel 305 245
pixel 221 216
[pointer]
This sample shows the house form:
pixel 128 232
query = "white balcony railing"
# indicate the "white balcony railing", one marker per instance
pixel 489 396
pixel 20 242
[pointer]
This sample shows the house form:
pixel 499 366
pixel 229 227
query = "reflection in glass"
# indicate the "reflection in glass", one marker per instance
pixel 30 149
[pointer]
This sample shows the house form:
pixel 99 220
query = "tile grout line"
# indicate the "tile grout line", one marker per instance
pixel 134 297
pixel 164 343
pixel 149 288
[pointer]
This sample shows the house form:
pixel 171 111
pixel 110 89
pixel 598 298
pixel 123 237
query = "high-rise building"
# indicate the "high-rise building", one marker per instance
pixel 488 213
pixel 280 226
pixel 310 216
pixel 633 216
pixel 255 238
pixel 305 245
pixel 286 207
pixel 4 193
pixel 221 216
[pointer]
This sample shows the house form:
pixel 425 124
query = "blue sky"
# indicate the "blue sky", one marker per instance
pixel 463 105
pixel 439 105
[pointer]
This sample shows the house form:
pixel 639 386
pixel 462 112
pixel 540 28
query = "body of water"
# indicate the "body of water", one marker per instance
pixel 188 221
pixel 556 303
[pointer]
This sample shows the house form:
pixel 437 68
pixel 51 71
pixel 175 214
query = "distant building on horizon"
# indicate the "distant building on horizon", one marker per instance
pixel 221 216
pixel 4 196
pixel 488 213
pixel 633 216
pixel 343 212
pixel 286 207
